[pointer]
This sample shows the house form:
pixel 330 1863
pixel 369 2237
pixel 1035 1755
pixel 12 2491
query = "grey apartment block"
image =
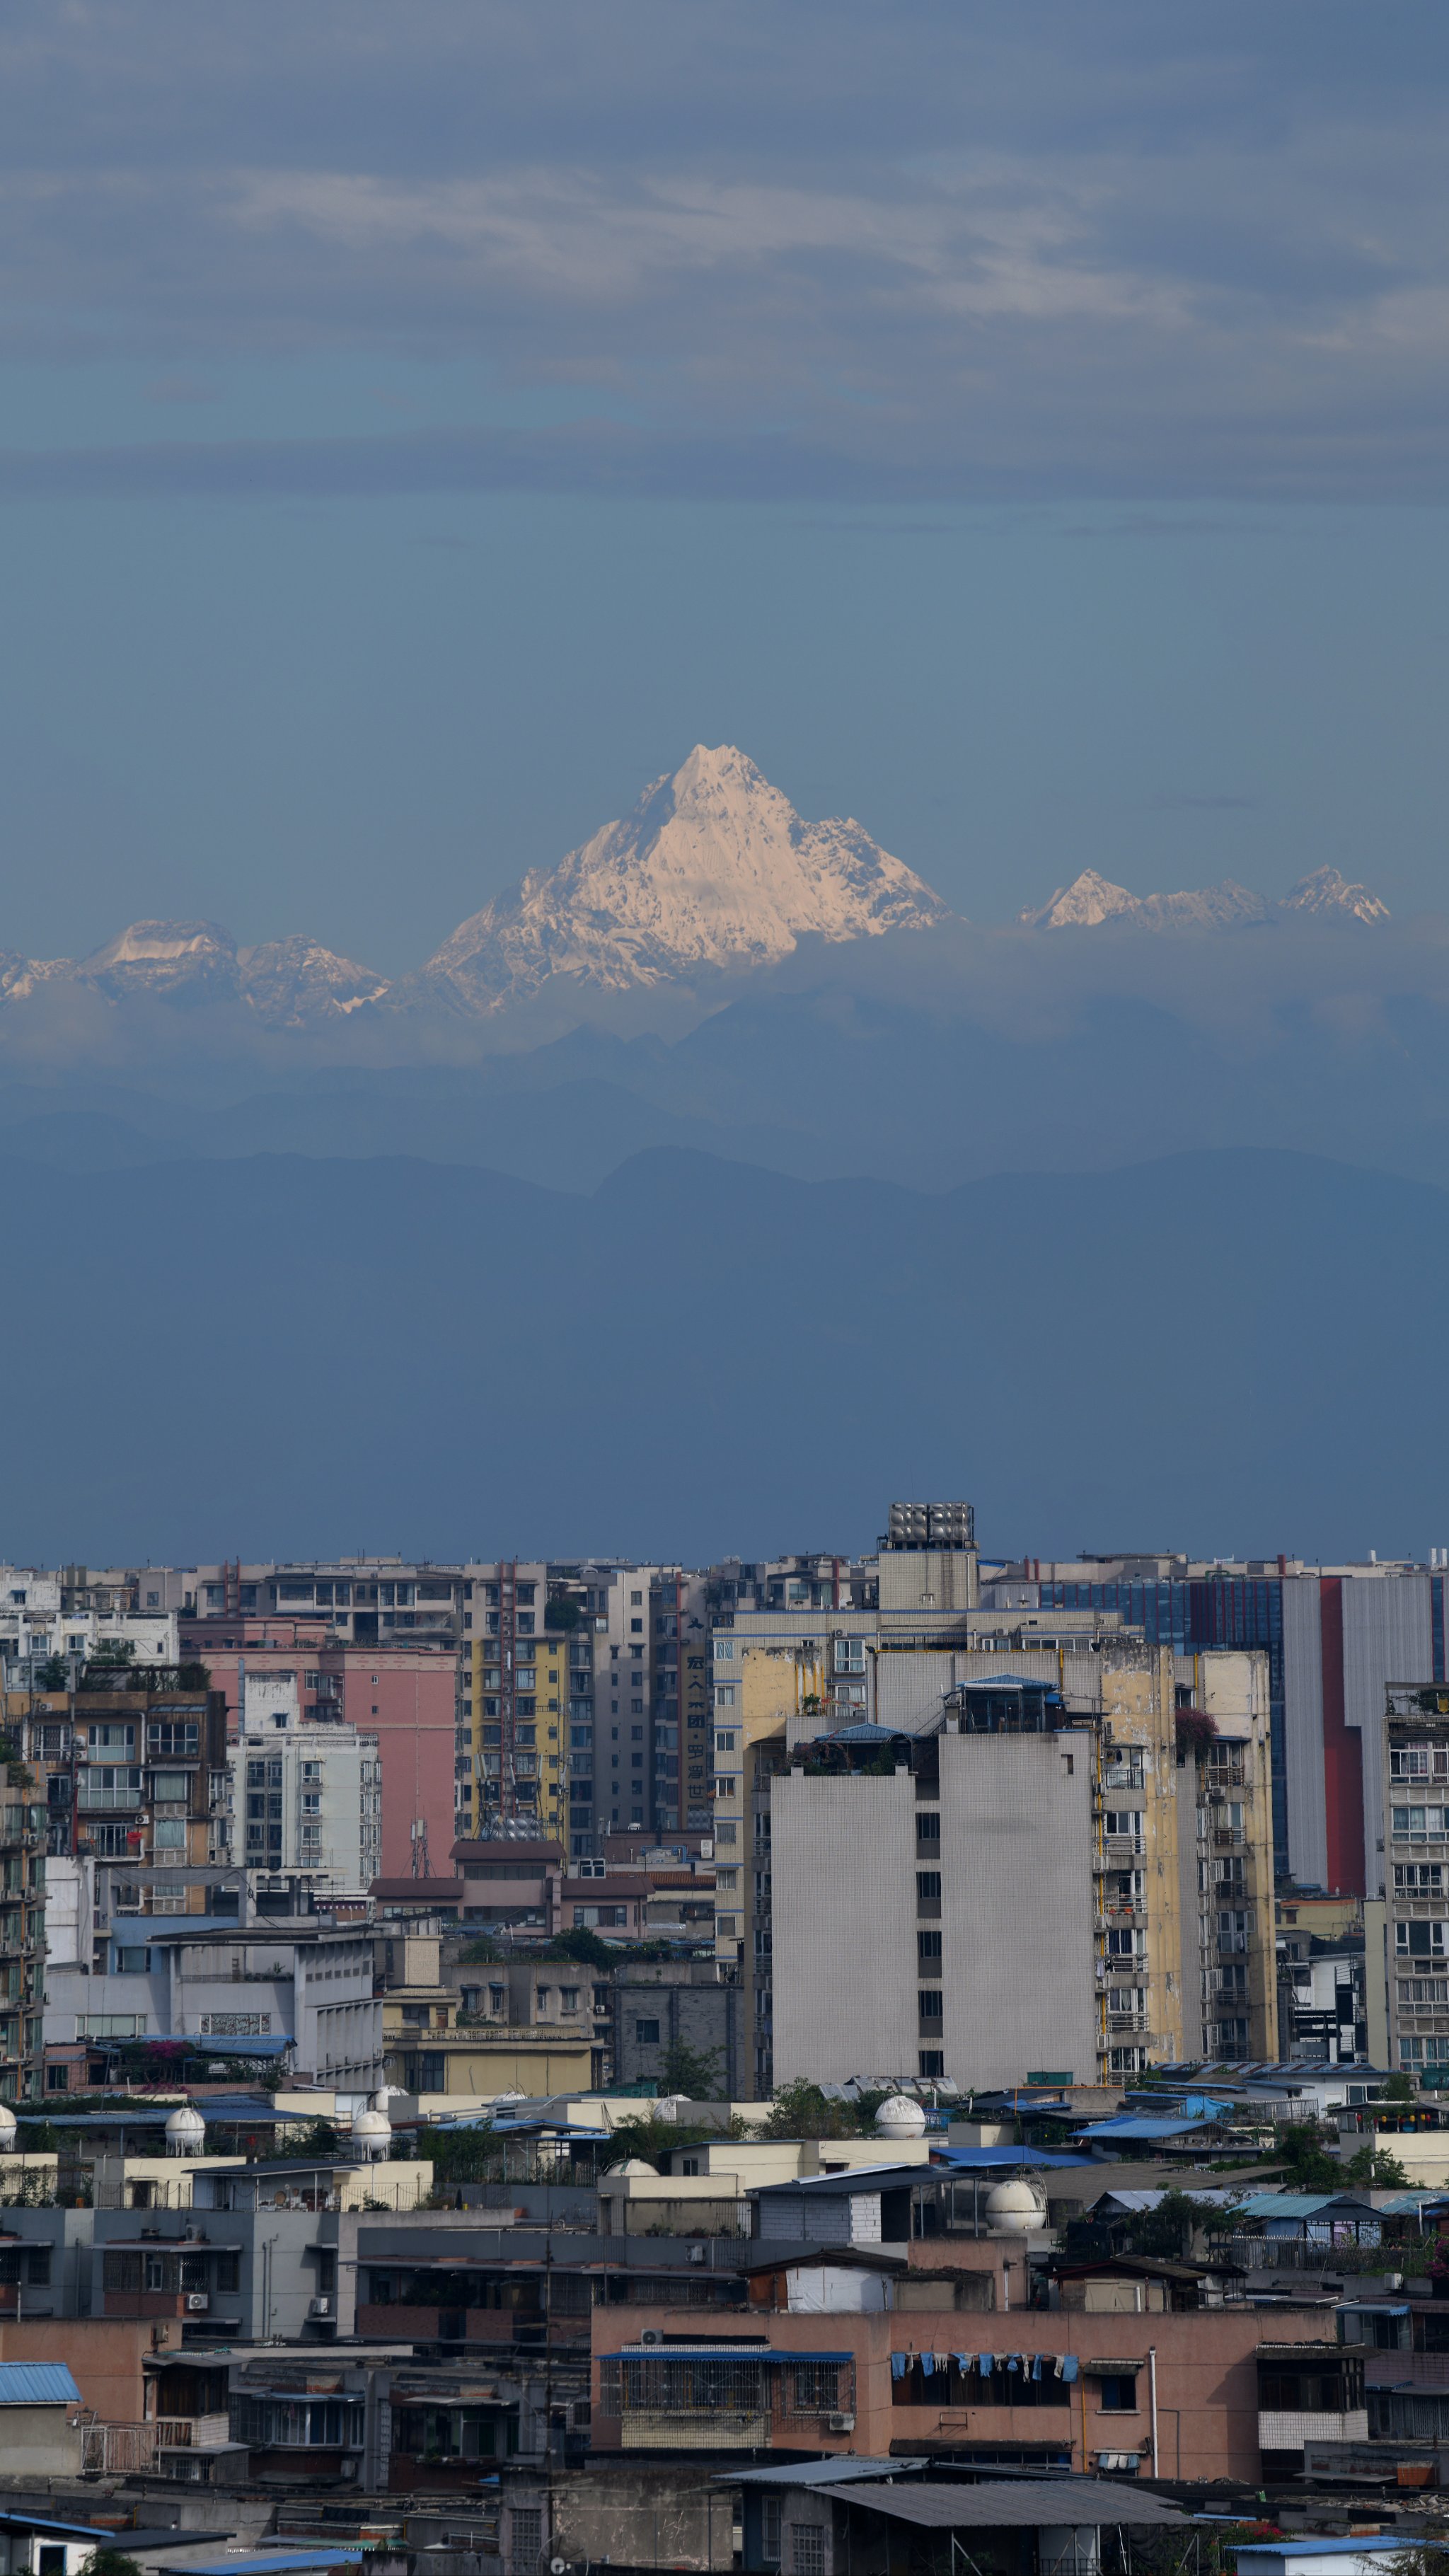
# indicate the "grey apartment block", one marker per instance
pixel 928 1924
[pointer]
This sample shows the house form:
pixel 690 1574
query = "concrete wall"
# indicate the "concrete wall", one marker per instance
pixel 1016 1918
pixel 1386 1638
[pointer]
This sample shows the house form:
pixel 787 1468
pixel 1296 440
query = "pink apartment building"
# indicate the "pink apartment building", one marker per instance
pixel 405 1695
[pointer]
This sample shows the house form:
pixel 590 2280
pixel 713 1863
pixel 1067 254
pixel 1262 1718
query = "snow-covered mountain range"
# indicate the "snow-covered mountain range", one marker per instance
pixel 712 874
pixel 1091 899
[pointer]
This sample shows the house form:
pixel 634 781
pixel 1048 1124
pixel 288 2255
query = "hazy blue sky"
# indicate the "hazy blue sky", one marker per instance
pixel 1022 426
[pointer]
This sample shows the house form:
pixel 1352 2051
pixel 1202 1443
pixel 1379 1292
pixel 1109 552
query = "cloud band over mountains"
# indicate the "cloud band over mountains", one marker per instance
pixel 932 253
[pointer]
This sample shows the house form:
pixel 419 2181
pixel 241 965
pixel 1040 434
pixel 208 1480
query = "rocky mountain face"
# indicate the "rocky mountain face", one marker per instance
pixel 713 870
pixel 1091 899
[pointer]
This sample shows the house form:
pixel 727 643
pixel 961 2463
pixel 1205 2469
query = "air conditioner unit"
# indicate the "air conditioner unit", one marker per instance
pixel 651 2334
pixel 319 2307
pixel 840 2423
pixel 197 2303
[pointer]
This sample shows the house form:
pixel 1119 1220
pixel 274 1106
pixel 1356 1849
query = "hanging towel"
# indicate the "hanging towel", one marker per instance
pixel 985 2362
pixel 900 2364
pixel 1036 2366
pixel 1069 2365
pixel 962 2360
pixel 928 2363
pixel 1013 2361
pixel 942 2361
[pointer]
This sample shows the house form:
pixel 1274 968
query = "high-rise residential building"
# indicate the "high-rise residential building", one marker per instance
pixel 1415 1735
pixel 1175 1870
pixel 306 1799
pixel 1335 1636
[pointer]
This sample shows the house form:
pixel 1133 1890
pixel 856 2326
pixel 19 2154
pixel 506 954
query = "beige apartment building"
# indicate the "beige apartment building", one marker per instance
pixel 1151 1909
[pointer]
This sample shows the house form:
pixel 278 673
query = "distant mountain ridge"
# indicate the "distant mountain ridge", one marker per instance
pixel 712 877
pixel 1091 899
pixel 287 983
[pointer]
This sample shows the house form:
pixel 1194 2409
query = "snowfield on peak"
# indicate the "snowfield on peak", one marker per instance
pixel 713 869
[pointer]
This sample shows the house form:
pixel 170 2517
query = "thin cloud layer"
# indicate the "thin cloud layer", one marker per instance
pixel 1121 247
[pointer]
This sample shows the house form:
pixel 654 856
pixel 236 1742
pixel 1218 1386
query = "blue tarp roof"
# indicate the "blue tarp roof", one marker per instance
pixel 37 2383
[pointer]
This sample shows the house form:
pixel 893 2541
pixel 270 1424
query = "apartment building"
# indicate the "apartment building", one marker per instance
pixel 22 1928
pixel 306 1800
pixel 131 1770
pixel 1415 1747
pixel 300 1989
pixel 1336 1637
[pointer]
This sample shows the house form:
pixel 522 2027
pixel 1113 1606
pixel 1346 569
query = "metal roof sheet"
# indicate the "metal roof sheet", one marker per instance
pixel 716 2352
pixel 280 2559
pixel 979 2159
pixel 37 2383
pixel 821 2473
pixel 1133 2127
pixel 1011 2503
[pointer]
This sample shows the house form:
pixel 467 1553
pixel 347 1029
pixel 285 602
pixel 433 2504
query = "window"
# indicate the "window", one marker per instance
pixel 174 1738
pixel 1419 1940
pixel 928 1887
pixel 1418 1878
pixel 931 2061
pixel 646 2034
pixel 931 2004
pixel 928 1828
pixel 170 1788
pixel 1118 2395
pixel 928 1952
pixel 168 1833
pixel 1122 1820
pixel 807 2549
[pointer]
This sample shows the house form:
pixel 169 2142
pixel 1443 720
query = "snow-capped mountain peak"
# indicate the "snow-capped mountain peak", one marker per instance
pixel 713 869
pixel 1091 899
pixel 1326 891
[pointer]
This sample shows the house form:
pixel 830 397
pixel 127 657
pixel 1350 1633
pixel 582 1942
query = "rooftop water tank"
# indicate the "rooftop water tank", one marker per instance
pixel 371 2133
pixel 900 2117
pixel 1016 2208
pixel 185 2132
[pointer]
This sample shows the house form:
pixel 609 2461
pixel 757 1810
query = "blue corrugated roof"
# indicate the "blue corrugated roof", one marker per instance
pixel 280 2559
pixel 1290 2204
pixel 37 2383
pixel 1135 2128
pixel 980 2159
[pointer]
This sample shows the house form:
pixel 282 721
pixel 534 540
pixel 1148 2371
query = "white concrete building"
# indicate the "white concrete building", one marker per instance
pixel 261 1986
pixel 304 1797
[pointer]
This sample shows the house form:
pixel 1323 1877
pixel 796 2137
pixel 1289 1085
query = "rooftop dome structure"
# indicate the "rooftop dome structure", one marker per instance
pixel 7 2129
pixel 1015 2208
pixel 185 2132
pixel 900 2117
pixel 636 2165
